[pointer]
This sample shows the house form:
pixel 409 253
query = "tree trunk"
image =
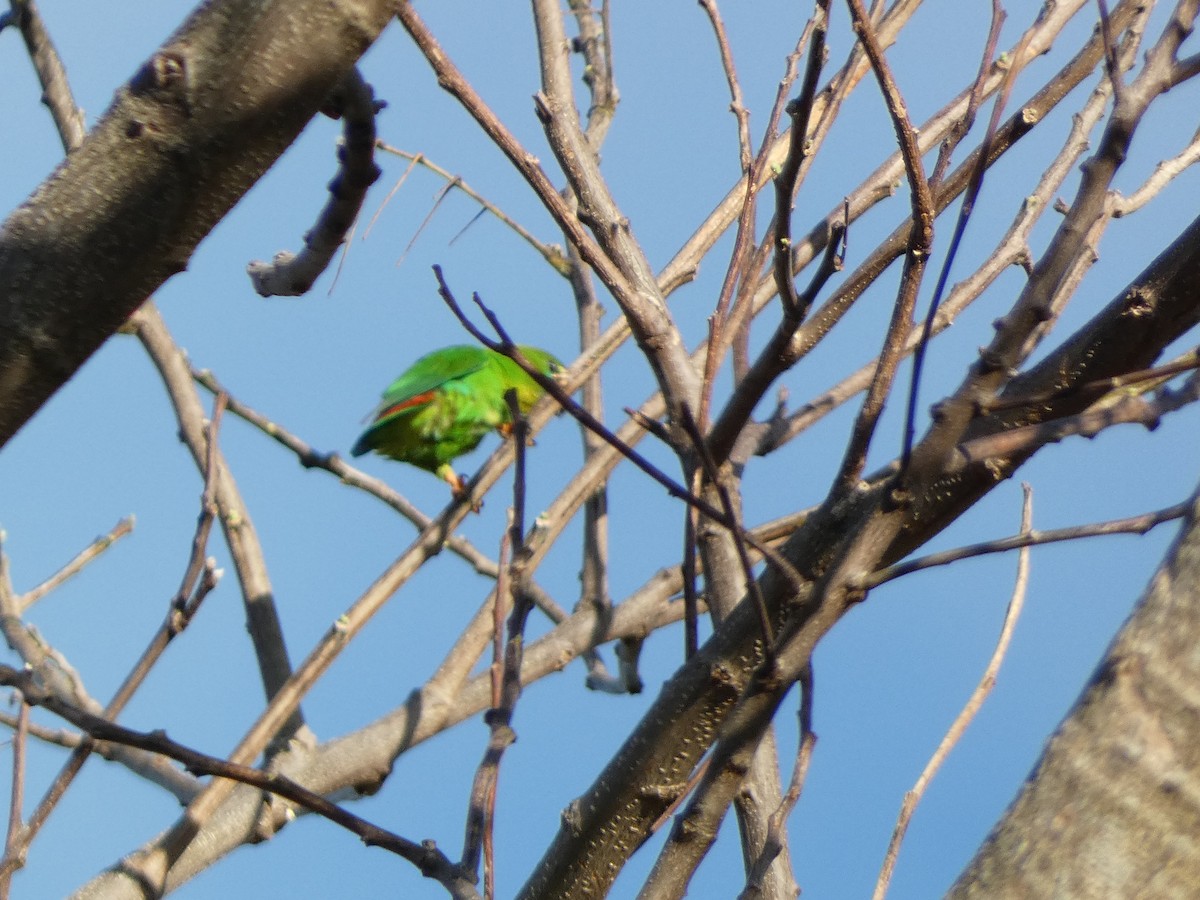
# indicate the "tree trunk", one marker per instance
pixel 1113 807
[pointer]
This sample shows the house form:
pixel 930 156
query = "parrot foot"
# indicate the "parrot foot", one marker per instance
pixel 458 487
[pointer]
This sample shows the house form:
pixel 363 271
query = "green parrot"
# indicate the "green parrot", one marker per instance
pixel 446 402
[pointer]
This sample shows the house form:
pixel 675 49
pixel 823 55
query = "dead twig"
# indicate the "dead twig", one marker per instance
pixel 76 565
pixel 965 717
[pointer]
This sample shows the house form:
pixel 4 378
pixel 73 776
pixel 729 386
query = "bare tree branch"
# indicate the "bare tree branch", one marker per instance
pixel 290 274
pixel 76 565
pixel 170 137
pixel 968 712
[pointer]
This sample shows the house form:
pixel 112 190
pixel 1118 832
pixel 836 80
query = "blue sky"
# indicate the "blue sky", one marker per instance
pixel 890 677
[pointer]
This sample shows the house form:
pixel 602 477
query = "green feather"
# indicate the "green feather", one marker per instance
pixel 445 404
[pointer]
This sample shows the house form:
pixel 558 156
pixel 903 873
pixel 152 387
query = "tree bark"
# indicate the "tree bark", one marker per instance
pixel 1113 807
pixel 184 139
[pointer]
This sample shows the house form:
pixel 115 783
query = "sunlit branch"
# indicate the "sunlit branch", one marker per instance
pixel 731 328
pixel 525 162
pixel 1131 525
pixel 737 103
pixel 56 90
pixel 880 184
pixel 153 861
pixel 918 245
pixel 549 252
pixel 1021 329
pixel 430 861
pixel 76 565
pixel 16 798
pixel 969 710
pixel 199 579
pixel 1123 407
pixel 1012 249
pixel 246 551
pixel 594 45
pixel 1164 173
pixel 636 291
pixel 774 359
pixel 552 387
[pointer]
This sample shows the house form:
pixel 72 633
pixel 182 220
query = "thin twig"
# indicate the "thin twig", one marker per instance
pixel 737 104
pixel 1139 524
pixel 633 285
pixel 964 215
pixel 745 262
pixel 732 328
pixel 1010 250
pixel 481 809
pixel 383 204
pixel 56 90
pixel 1111 62
pixel 441 195
pixel 59 737
pixel 878 185
pixel 76 565
pixel 594 45
pixel 505 669
pixel 964 718
pixel 918 247
pixel 713 475
pixel 249 560
pixel 549 252
pixel 777 824
pixel 975 98
pixel 800 111
pixel 431 862
pixel 180 611
pixel 506 346
pixel 773 360
pixel 1164 172
pixel 525 162
pixel 1051 280
pixel 17 796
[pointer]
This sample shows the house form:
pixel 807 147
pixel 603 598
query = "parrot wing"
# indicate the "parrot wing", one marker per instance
pixel 426 375
pixel 419 385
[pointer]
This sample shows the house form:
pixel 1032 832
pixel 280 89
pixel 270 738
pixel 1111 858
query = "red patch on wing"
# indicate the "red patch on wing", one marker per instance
pixel 418 400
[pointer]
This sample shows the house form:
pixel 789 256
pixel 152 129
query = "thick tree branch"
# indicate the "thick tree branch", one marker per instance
pixel 197 125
